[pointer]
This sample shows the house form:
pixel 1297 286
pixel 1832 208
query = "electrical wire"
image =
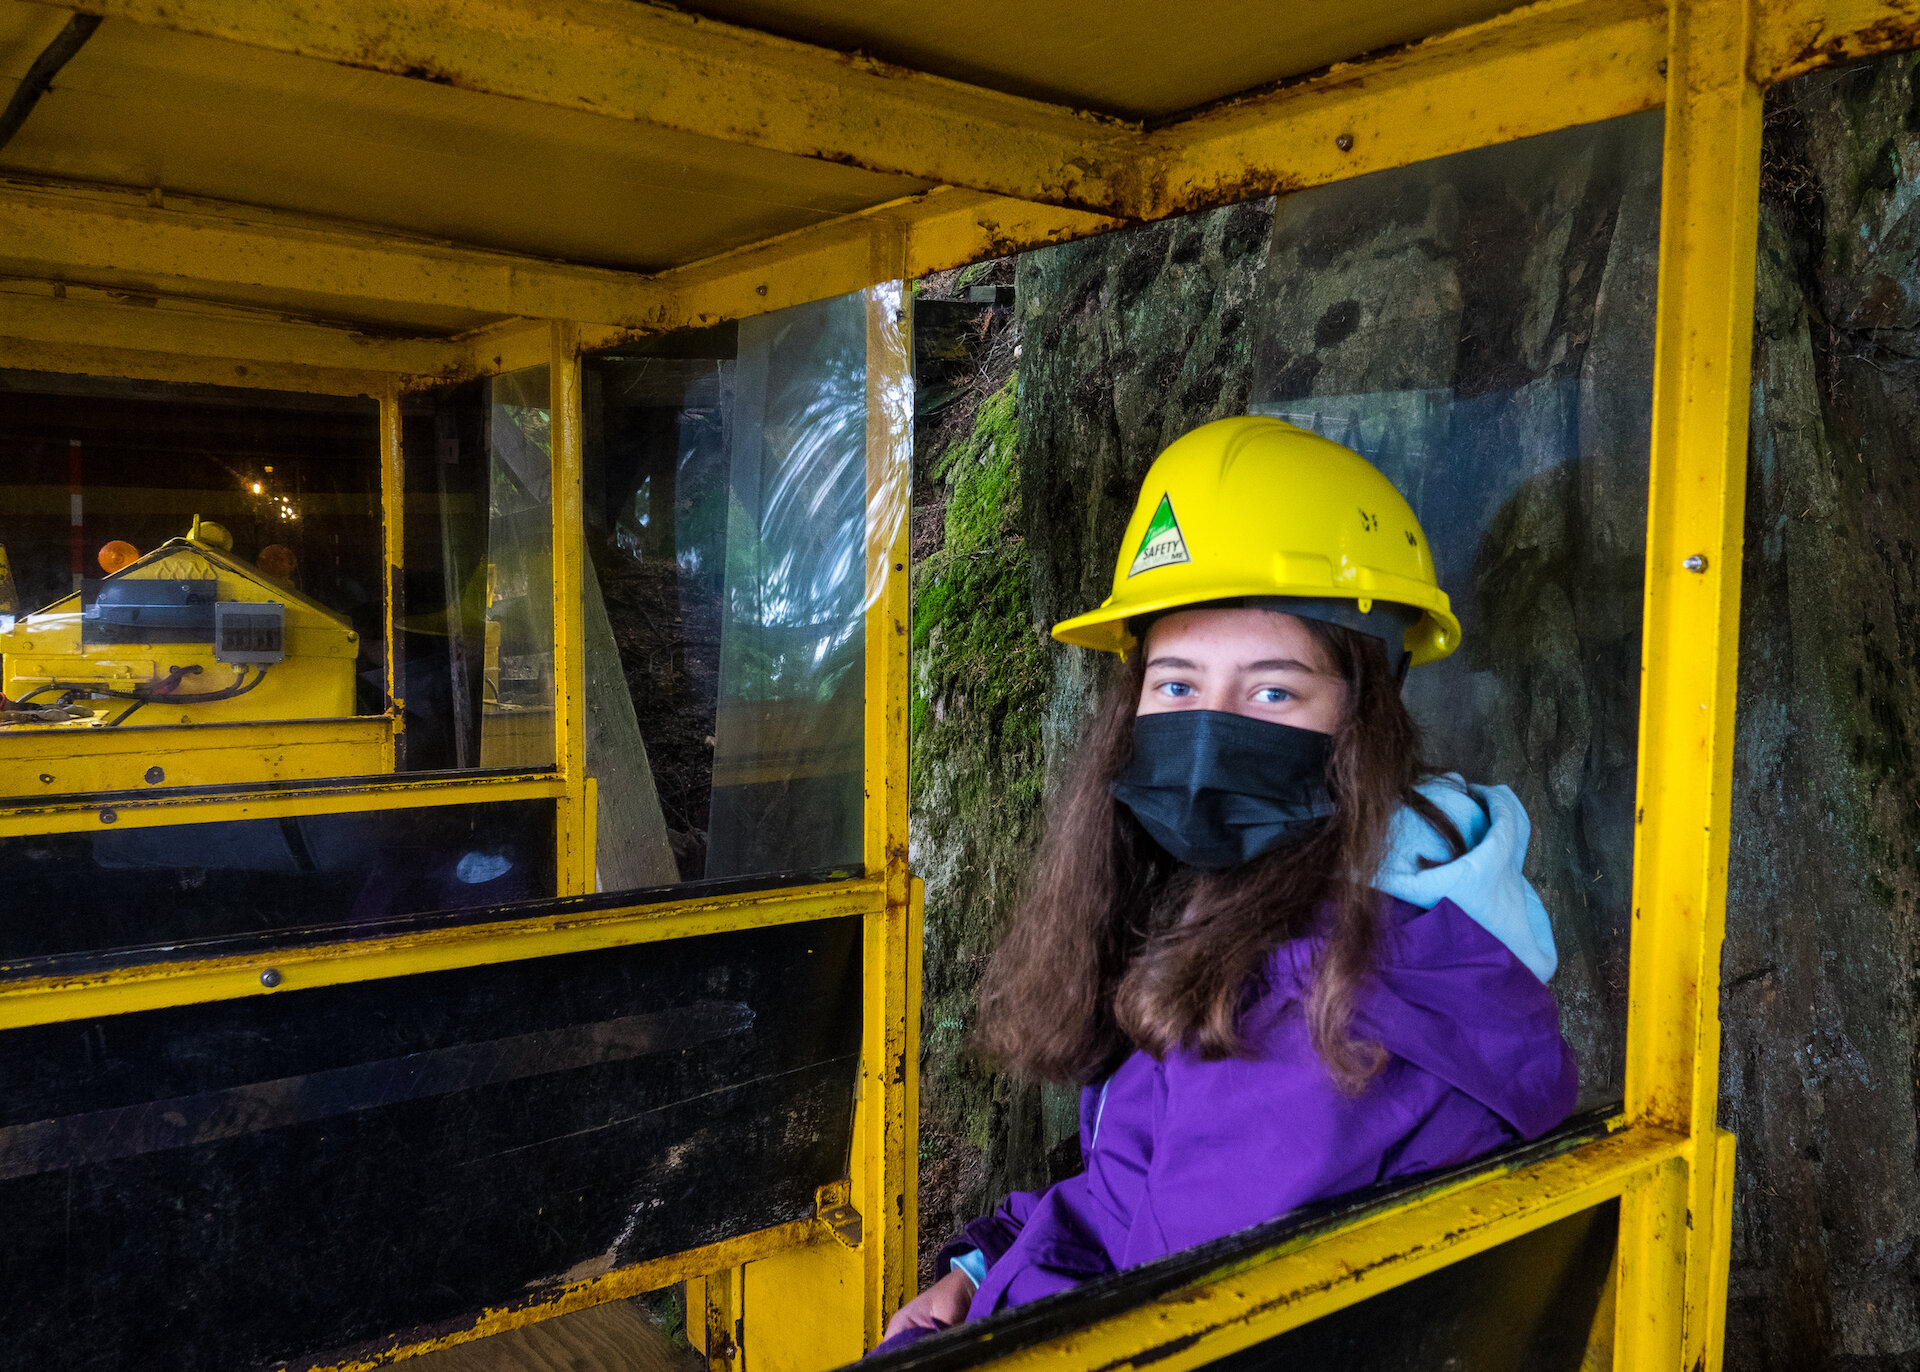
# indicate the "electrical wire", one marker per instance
pixel 141 698
pixel 39 78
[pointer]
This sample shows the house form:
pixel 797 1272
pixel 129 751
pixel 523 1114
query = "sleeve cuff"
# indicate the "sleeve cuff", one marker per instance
pixel 972 1262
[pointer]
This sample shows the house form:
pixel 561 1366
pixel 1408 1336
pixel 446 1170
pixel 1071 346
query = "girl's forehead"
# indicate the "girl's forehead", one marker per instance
pixel 1227 636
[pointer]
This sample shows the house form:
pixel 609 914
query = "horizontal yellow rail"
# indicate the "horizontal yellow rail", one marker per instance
pixel 1314 1275
pixel 620 1284
pixel 152 986
pixel 136 810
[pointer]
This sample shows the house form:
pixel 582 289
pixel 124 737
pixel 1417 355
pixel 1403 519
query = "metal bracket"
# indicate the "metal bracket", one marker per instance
pixel 833 1207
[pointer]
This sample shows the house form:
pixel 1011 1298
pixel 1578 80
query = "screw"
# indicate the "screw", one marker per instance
pixel 1696 563
pixel 1344 142
pixel 1663 66
pixel 46 778
pixel 759 290
pixel 270 978
pixel 108 817
pixel 155 776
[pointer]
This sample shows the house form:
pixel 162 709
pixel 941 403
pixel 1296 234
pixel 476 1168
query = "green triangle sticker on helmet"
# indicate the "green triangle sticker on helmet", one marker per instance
pixel 1164 544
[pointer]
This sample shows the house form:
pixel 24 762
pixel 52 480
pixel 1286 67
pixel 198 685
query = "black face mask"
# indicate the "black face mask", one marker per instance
pixel 1215 789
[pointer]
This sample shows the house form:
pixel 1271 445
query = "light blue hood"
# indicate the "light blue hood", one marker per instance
pixel 1486 883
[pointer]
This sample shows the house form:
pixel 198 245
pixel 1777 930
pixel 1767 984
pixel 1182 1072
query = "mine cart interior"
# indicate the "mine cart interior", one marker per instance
pixel 454 479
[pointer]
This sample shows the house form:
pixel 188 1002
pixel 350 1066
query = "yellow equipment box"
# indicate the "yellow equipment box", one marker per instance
pixel 188 634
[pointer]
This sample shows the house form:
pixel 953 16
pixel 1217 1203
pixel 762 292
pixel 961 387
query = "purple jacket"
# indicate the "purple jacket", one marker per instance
pixel 1183 1151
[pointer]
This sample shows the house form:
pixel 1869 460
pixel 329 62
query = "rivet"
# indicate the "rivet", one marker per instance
pixel 270 978
pixel 1696 563
pixel 108 817
pixel 759 290
pixel 46 778
pixel 1663 66
pixel 155 776
pixel 1344 142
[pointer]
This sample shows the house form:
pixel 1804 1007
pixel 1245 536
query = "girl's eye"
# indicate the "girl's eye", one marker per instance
pixel 1176 689
pixel 1272 695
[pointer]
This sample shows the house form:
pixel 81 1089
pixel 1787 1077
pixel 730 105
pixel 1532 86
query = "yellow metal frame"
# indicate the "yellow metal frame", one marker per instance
pixel 1008 174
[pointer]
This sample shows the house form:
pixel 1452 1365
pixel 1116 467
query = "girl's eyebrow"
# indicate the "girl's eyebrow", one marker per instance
pixel 1179 662
pixel 1277 664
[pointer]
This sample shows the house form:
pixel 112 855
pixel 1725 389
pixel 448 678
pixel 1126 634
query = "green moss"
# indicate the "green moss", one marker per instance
pixel 980 682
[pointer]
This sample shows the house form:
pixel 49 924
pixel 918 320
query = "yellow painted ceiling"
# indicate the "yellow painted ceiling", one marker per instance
pixel 1139 59
pixel 142 107
pixel 152 110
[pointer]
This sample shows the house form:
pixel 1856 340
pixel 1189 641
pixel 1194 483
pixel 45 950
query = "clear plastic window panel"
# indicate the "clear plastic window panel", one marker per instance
pixel 726 508
pixel 476 604
pixel 1481 328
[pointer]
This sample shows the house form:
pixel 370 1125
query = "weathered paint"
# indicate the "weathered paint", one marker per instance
pixel 561 926
pixel 1696 496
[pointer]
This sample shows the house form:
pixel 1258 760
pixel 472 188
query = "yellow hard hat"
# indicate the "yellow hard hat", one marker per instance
pixel 1259 510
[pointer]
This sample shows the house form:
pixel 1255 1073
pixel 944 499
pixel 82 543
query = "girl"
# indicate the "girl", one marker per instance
pixel 1291 961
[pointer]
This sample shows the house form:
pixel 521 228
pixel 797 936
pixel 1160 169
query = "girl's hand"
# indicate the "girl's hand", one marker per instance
pixel 940 1306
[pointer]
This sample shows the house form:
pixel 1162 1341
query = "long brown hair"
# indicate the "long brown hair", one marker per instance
pixel 1115 946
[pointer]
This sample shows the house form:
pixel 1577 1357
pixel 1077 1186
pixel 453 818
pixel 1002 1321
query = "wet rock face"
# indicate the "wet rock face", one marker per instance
pixel 1817 996
pixel 1130 340
pixel 1481 328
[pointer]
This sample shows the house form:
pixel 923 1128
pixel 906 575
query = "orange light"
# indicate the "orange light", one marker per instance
pixel 277 561
pixel 117 554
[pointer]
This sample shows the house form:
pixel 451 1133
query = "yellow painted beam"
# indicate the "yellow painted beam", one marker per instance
pixel 575 822
pixel 77 317
pixel 652 65
pixel 90 359
pixel 195 247
pixel 54 1000
pixel 884 1176
pixel 46 774
pixel 928 232
pixel 1543 67
pixel 1312 1275
pixel 1796 36
pixel 141 810
pixel 1669 1267
pixel 794 1238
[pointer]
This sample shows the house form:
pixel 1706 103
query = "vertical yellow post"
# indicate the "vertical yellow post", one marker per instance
pixel 392 534
pixel 885 1185
pixel 1672 1250
pixel 573 826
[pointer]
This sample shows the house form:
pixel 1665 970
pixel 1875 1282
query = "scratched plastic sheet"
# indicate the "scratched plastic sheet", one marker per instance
pixel 735 479
pixel 300 1176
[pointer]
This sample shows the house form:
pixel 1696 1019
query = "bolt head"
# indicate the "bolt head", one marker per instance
pixel 270 978
pixel 155 776
pixel 1696 563
pixel 1344 142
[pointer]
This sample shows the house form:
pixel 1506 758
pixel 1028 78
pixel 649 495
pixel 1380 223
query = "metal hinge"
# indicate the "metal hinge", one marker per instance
pixel 833 1207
